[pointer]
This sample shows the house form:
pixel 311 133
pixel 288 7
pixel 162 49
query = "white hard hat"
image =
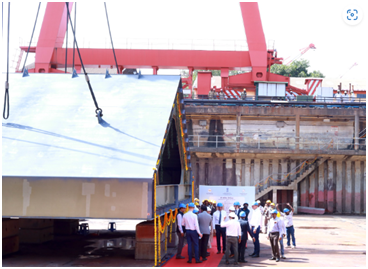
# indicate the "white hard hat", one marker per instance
pixel 231 208
pixel 258 201
pixel 208 209
pixel 232 215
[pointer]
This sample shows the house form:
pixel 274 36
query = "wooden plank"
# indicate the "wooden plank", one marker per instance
pixel 321 187
pixel 363 193
pixel 348 188
pixel 330 187
pixel 10 227
pixel 215 171
pixel 357 179
pixel 303 188
pixel 311 210
pixel 312 195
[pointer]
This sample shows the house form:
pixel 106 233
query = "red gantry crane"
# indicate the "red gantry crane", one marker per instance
pixel 50 55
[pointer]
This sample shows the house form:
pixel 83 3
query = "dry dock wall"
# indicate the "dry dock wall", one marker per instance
pixel 337 185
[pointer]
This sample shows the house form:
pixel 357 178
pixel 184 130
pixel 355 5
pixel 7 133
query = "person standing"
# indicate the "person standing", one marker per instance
pixel 275 232
pixel 246 210
pixel 255 225
pixel 267 213
pixel 233 236
pixel 211 229
pixel 218 216
pixel 237 209
pixel 244 226
pixel 290 231
pixel 192 232
pixel 244 94
pixel 222 95
pixel 345 97
pixel 352 95
pixel 180 230
pixel 210 94
pixel 262 217
pixel 282 249
pixel 204 221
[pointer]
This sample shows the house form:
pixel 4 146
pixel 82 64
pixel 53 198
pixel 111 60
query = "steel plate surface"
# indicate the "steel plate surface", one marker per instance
pixel 52 129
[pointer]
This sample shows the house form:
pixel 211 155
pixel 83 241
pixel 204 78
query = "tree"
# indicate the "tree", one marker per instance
pixel 295 69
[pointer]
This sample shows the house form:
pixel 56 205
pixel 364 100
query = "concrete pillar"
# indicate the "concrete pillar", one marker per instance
pixel 339 187
pixel 266 171
pixel 356 131
pixel 274 196
pixel 357 207
pixel 292 168
pixel 257 170
pixel 283 170
pixel 247 172
pixel 230 180
pixel 348 188
pixel 238 171
pixel 295 201
pixel 303 190
pixel 321 187
pixel 330 187
pixel 297 130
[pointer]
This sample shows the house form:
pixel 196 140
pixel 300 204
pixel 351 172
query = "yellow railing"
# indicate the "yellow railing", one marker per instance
pixel 168 219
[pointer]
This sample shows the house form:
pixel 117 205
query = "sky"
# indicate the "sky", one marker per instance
pixel 291 25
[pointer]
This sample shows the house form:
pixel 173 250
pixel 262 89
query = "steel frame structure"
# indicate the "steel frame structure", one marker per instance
pixel 50 55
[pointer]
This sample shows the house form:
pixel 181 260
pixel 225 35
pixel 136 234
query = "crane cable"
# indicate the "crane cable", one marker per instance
pixel 75 27
pixel 98 110
pixel 6 97
pixel 112 44
pixel 34 27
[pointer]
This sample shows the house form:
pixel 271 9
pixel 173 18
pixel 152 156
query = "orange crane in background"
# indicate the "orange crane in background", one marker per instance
pixel 302 51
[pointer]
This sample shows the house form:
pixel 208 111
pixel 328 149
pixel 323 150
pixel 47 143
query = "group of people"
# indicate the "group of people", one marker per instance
pixel 339 97
pixel 202 222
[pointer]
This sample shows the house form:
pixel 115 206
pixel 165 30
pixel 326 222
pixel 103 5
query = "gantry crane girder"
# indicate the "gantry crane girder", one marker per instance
pixel 50 55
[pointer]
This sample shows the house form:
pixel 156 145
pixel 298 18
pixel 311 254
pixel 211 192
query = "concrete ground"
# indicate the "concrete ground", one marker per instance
pixel 323 241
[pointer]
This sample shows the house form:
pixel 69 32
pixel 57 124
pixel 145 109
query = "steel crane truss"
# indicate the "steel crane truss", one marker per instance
pixel 50 55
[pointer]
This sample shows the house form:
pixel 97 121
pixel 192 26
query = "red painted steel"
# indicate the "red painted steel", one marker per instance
pixel 50 55
pixel 204 82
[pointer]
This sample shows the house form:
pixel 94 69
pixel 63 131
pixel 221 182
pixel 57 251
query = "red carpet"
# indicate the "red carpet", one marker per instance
pixel 212 261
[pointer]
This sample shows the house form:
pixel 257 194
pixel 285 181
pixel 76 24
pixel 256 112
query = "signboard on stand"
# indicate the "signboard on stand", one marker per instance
pixel 227 195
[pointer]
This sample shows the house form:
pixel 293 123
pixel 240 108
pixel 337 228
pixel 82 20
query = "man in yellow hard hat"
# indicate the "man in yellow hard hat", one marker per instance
pixel 267 214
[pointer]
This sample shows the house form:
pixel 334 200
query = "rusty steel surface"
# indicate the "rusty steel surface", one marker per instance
pixel 52 130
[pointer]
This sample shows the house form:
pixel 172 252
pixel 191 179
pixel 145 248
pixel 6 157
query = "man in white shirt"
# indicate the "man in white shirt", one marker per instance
pixel 180 230
pixel 218 216
pixel 275 234
pixel 255 227
pixel 262 218
pixel 233 236
pixel 288 219
pixel 283 232
pixel 192 231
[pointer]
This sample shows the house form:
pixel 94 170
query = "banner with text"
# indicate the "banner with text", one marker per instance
pixel 227 195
